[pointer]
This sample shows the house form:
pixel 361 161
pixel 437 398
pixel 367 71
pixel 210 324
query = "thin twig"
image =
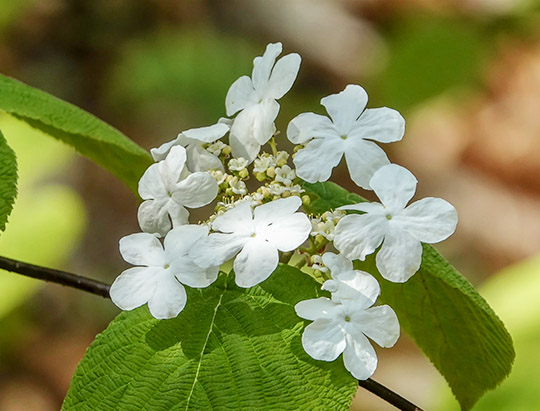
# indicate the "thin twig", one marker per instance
pixel 56 276
pixel 388 395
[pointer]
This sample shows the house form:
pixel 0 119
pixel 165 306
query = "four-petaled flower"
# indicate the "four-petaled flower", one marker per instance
pixel 342 325
pixel 400 229
pixel 167 188
pixel 347 133
pixel 256 98
pixel 255 235
pixel 161 271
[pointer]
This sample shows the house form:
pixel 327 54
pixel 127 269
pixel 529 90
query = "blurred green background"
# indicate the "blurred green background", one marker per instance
pixel 465 74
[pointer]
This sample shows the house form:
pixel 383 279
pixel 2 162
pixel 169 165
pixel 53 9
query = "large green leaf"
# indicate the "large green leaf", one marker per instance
pixel 231 348
pixel 8 181
pixel 87 134
pixel 442 312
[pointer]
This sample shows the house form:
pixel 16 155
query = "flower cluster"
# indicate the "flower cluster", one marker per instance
pixel 258 227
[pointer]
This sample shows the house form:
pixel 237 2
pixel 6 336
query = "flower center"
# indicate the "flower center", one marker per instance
pixel 388 216
pixel 166 266
pixel 169 194
pixel 347 319
pixel 344 137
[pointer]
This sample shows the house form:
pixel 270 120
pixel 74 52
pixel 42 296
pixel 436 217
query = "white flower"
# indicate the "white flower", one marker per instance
pixel 161 271
pixel 324 228
pixel 348 132
pixel 198 158
pixel 219 176
pixel 256 98
pixel 285 175
pixel 255 235
pixel 317 263
pixel 400 230
pixel 167 188
pixel 216 147
pixel 295 189
pixel 342 327
pixel 281 158
pixel 276 189
pixel 262 163
pixel 237 164
pixel 238 186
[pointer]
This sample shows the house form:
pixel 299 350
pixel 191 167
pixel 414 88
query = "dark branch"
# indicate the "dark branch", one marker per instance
pixel 56 276
pixel 388 395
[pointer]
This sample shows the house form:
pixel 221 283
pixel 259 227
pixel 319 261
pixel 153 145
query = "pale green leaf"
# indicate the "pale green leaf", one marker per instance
pixel 8 181
pixel 87 134
pixel 447 318
pixel 231 348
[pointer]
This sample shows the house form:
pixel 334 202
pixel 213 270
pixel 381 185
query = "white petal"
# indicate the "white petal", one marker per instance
pixel 400 256
pixel 262 66
pixel 283 75
pixel 256 122
pixel 237 220
pixel 359 356
pixel 337 263
pixel 177 213
pixel 142 249
pixel 153 217
pixel 241 94
pixel 287 233
pixel 274 210
pixel 134 287
pixel 151 184
pixel 364 158
pixel 169 298
pixel 321 307
pixel 357 236
pixel 179 241
pixel 176 160
pixel 197 190
pixel 161 152
pixel 316 161
pixel 199 159
pixel 207 134
pixel 384 125
pixel 306 126
pixel 243 145
pixel 252 127
pixel 394 185
pixel 346 106
pixel 378 323
pixel 190 274
pixel 257 260
pixel 216 249
pixel 357 286
pixel 429 220
pixel 323 340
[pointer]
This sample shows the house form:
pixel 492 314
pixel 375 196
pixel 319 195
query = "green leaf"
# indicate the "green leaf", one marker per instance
pixel 87 134
pixel 231 348
pixel 8 181
pixel 446 317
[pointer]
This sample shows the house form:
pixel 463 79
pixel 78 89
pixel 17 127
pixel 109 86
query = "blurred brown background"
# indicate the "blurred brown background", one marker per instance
pixel 464 73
